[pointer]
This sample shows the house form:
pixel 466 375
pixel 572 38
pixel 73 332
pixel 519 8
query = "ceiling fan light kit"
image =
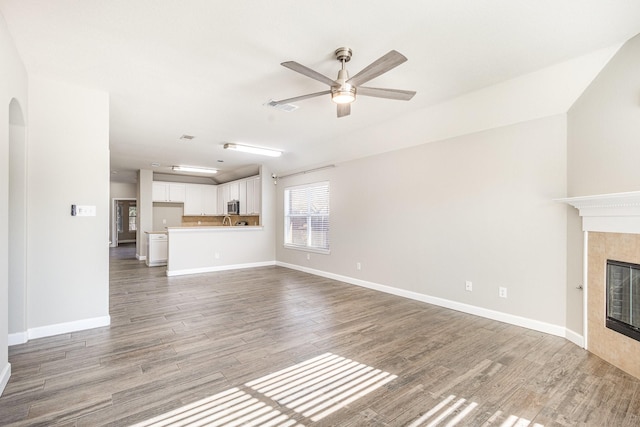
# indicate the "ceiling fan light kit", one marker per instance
pixel 343 90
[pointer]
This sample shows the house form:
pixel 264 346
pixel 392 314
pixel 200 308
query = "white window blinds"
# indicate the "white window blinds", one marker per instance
pixel 306 216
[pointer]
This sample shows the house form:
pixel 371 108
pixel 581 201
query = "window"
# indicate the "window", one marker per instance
pixel 133 211
pixel 306 217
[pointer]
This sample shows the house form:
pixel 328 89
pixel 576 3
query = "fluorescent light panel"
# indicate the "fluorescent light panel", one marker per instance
pixel 193 169
pixel 253 150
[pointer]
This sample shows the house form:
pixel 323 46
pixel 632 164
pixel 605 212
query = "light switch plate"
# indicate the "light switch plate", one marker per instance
pixel 85 210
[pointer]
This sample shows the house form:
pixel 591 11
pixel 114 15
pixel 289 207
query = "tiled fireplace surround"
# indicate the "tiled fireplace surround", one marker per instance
pixel 611 223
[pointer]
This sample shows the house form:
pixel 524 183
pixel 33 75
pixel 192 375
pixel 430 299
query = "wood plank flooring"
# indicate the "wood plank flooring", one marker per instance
pixel 273 346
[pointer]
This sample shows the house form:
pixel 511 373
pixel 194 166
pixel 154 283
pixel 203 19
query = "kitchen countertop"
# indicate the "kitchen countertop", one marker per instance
pixel 208 228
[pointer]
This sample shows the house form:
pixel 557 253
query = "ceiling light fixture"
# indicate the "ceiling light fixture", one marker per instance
pixel 343 93
pixel 193 169
pixel 343 96
pixel 253 150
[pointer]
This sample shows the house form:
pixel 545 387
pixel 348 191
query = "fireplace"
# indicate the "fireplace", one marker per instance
pixel 611 225
pixel 623 298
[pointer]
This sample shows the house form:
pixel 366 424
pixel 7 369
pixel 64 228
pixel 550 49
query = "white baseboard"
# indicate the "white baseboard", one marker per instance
pixel 512 319
pixel 57 329
pixel 574 337
pixel 18 338
pixel 218 268
pixel 141 257
pixel 4 377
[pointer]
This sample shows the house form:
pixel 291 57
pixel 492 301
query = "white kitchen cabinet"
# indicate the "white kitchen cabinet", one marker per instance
pixel 253 193
pixel 200 199
pixel 210 204
pixel 234 190
pixel 247 191
pixel 168 192
pixel 156 249
pixel 223 198
pixel 242 197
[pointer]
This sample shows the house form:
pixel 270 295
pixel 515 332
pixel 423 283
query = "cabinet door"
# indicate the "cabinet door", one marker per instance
pixel 234 190
pixel 177 192
pixel 209 200
pixel 193 200
pixel 257 196
pixel 242 196
pixel 223 198
pixel 248 197
pixel 159 191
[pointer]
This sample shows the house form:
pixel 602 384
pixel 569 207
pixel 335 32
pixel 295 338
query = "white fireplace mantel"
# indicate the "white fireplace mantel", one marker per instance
pixel 609 213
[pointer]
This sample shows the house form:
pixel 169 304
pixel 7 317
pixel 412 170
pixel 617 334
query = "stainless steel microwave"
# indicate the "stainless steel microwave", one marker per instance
pixel 233 207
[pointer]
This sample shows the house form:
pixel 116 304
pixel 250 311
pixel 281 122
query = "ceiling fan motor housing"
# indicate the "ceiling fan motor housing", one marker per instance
pixel 343 92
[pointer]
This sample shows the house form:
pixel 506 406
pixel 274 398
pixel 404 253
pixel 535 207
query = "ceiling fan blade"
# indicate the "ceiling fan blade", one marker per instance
pixel 299 68
pixel 379 66
pixel 301 97
pixel 344 110
pixel 402 95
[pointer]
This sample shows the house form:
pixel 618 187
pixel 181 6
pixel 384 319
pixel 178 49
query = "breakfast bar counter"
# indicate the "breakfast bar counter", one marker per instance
pixel 194 250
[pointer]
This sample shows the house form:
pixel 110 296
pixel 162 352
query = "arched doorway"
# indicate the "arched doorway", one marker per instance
pixel 17 224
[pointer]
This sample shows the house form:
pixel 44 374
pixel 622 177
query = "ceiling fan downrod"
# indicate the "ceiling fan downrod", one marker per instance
pixel 343 92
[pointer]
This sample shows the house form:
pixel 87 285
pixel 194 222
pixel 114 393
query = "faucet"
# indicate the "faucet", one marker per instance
pixel 226 217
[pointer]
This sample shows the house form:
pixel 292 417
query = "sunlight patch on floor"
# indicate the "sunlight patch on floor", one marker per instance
pixel 451 412
pixel 322 385
pixel 314 389
pixel 232 407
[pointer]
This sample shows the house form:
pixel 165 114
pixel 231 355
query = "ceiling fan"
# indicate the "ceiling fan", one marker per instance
pixel 344 89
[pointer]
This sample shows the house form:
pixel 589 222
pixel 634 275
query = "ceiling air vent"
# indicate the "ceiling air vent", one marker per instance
pixel 284 107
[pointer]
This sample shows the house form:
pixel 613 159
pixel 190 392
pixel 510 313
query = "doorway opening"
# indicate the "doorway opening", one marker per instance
pixel 124 221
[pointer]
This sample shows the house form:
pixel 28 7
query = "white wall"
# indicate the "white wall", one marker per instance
pixel 122 190
pixel 13 85
pixel 479 207
pixel 17 220
pixel 145 211
pixel 170 213
pixel 604 129
pixel 68 271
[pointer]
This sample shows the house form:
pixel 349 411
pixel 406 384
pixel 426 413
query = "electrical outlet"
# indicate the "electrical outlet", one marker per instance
pixel 358 266
pixel 468 285
pixel 217 255
pixel 308 256
pixel 502 292
pixel 164 221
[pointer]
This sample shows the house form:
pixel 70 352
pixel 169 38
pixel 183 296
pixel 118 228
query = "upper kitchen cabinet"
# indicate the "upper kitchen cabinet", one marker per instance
pixel 250 196
pixel 168 192
pixel 247 191
pixel 223 198
pixel 200 199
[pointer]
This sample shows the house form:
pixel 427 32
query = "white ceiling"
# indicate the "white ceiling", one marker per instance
pixel 206 67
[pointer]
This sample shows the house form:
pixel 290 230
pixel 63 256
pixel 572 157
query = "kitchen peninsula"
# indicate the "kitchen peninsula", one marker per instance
pixel 204 249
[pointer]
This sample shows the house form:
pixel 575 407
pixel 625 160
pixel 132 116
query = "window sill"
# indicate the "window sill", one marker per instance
pixel 306 249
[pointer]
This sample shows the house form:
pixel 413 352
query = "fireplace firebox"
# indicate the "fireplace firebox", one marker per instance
pixel 623 298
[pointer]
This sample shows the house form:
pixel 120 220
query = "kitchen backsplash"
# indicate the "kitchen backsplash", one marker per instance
pixel 203 221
